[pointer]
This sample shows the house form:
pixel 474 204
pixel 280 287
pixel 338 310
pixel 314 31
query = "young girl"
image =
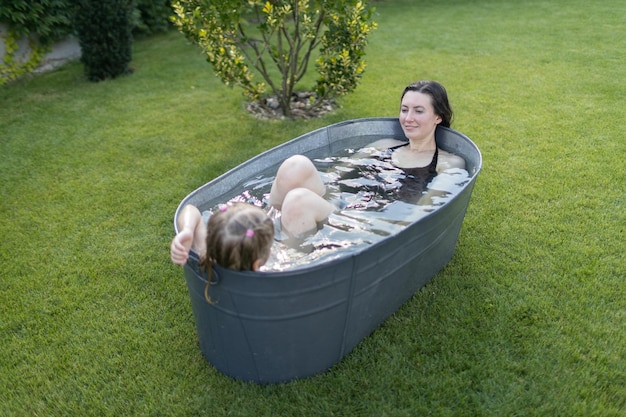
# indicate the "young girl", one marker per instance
pixel 240 236
pixel 237 236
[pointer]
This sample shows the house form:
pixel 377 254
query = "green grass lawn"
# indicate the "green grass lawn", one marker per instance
pixel 528 319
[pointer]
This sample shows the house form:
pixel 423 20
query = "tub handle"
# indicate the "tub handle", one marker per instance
pixel 214 276
pixel 214 279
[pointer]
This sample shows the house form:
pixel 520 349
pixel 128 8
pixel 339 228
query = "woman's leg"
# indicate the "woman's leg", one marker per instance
pixel 296 172
pixel 302 209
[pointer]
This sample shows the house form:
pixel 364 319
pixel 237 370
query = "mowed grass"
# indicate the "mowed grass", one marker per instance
pixel 528 318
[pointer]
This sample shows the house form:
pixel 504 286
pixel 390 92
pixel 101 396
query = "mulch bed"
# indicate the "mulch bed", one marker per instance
pixel 303 106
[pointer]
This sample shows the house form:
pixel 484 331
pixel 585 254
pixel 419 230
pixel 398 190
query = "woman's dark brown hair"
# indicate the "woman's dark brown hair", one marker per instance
pixel 439 98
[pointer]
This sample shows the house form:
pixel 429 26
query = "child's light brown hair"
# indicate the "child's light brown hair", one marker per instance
pixel 237 236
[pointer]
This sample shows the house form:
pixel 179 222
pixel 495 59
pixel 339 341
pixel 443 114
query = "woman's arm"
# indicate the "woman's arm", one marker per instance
pixel 447 160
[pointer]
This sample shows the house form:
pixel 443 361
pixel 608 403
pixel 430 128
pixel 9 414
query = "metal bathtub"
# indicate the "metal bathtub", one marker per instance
pixel 270 327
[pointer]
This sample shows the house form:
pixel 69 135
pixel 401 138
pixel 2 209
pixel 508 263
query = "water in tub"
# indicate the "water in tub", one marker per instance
pixel 363 185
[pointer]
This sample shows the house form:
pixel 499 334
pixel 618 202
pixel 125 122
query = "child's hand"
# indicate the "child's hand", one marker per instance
pixel 179 250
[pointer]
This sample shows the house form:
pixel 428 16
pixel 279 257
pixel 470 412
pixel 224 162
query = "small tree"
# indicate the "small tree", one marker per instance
pixel 278 39
pixel 105 35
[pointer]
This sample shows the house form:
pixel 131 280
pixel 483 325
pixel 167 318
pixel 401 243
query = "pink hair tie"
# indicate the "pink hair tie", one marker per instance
pixel 249 233
pixel 223 208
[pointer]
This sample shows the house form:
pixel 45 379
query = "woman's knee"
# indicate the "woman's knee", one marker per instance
pixel 297 171
pixel 296 198
pixel 304 202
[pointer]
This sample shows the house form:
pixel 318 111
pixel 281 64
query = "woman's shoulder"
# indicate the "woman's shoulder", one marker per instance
pixel 447 160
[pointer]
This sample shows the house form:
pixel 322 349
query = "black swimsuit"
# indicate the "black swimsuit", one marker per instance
pixel 416 180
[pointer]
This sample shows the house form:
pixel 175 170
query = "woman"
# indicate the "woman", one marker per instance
pixel 424 105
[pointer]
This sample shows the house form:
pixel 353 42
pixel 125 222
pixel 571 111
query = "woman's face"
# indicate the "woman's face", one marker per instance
pixel 417 116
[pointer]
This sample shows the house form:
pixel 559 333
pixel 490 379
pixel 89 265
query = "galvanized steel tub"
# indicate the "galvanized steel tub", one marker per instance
pixel 270 327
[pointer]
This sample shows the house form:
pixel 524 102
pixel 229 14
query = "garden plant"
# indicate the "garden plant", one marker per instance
pixel 105 34
pixel 103 28
pixel 277 40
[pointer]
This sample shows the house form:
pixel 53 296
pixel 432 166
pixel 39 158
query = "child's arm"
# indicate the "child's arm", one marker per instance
pixel 191 235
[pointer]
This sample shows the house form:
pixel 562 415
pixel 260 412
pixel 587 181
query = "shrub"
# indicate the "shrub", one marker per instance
pixel 48 19
pixel 104 31
pixel 41 21
pixel 12 68
pixel 280 37
pixel 152 16
pixel 341 63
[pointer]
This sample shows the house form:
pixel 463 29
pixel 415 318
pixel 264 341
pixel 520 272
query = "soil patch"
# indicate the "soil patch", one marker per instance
pixel 303 106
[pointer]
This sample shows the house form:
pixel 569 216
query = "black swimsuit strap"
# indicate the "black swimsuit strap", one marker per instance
pixel 433 163
pixel 393 148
